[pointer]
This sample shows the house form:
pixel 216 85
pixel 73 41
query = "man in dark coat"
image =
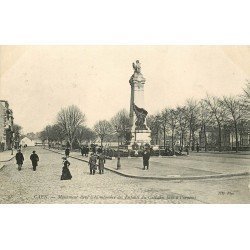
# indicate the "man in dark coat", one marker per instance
pixel 101 162
pixel 67 152
pixel 34 159
pixel 92 163
pixel 66 175
pixel 19 159
pixel 145 157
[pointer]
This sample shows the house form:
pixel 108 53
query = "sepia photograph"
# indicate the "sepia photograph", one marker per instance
pixel 124 124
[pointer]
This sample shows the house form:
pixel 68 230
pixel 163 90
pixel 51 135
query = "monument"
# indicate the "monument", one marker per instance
pixel 140 133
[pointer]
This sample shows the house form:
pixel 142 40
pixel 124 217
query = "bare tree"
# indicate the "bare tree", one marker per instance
pixel 70 119
pixel 182 123
pixel 218 112
pixel 247 91
pixel 164 122
pixel 16 134
pixel 172 123
pixel 103 129
pixel 205 117
pixel 85 134
pixel 120 124
pixel 46 134
pixel 235 110
pixel 192 115
pixel 57 133
pixel 154 123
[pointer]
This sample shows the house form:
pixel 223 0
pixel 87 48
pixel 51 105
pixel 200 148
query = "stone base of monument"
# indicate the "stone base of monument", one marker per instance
pixel 141 137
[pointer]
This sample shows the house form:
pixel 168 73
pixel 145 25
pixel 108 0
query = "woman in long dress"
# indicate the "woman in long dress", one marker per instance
pixel 66 175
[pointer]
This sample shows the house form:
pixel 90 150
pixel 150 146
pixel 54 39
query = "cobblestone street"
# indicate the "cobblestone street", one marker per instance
pixel 45 186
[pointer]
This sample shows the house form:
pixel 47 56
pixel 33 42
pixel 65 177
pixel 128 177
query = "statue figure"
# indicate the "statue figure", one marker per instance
pixel 137 67
pixel 137 76
pixel 140 118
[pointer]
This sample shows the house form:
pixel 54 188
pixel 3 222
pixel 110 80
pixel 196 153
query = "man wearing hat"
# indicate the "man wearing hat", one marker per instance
pixel 145 157
pixel 34 159
pixel 19 159
pixel 92 163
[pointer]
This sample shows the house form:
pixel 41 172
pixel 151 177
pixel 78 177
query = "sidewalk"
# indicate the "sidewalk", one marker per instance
pixel 6 156
pixel 175 168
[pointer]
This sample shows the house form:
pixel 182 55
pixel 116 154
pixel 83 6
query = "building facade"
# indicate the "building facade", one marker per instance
pixel 6 126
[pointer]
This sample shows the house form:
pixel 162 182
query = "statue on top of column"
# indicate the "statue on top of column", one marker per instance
pixel 137 77
pixel 137 67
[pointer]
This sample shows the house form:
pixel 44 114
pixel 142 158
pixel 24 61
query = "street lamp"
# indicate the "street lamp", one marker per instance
pixel 118 152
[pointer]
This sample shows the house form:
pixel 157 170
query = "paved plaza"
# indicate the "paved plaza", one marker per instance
pixel 45 186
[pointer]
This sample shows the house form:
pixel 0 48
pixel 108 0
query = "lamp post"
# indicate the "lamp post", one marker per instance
pixel 118 152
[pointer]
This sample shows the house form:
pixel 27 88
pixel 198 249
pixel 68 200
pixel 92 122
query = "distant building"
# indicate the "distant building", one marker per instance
pixel 27 142
pixel 38 142
pixel 6 126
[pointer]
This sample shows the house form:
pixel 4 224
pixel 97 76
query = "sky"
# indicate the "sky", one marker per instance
pixel 38 81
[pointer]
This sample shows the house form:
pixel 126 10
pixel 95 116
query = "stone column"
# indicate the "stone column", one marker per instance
pixel 137 82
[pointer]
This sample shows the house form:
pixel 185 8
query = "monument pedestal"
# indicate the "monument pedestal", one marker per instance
pixel 141 137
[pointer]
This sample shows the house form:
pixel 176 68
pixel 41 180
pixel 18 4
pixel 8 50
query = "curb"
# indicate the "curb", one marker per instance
pixel 218 176
pixel 2 166
pixel 181 177
pixel 63 154
pixel 9 159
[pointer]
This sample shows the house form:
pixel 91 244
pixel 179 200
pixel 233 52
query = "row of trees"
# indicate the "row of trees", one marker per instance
pixel 185 122
pixel 70 127
pixel 117 129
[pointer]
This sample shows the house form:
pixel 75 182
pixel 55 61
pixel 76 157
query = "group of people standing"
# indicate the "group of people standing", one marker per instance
pixel 96 161
pixel 84 151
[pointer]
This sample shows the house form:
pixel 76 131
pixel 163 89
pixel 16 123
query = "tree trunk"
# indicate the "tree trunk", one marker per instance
pixel 236 136
pixel 219 139
pixel 156 139
pixel 190 134
pixel 193 142
pixel 164 138
pixel 232 143
pixel 205 138
pixel 173 141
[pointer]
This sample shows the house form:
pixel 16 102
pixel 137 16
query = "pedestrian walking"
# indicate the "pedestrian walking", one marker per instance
pixel 66 175
pixel 34 159
pixel 145 157
pixel 92 163
pixel 19 159
pixel 101 162
pixel 67 151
